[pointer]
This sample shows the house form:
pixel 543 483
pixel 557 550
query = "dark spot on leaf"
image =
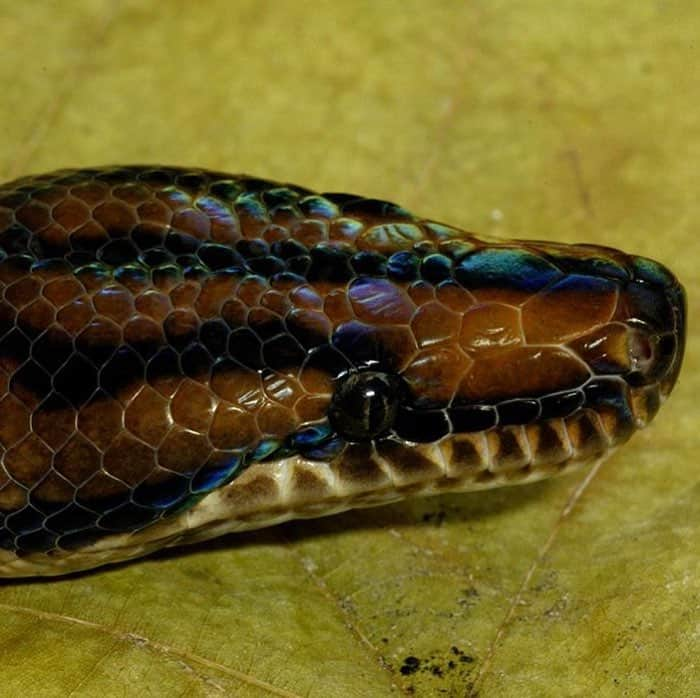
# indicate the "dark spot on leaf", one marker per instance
pixel 410 665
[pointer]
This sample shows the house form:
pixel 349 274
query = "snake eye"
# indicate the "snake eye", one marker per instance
pixel 365 404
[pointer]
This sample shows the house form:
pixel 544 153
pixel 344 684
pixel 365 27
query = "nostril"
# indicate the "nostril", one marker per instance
pixel 641 350
pixel 650 356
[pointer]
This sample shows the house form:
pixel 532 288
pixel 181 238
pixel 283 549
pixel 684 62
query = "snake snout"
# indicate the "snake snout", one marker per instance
pixel 655 306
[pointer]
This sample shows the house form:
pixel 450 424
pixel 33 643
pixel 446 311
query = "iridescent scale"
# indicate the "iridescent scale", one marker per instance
pixel 171 341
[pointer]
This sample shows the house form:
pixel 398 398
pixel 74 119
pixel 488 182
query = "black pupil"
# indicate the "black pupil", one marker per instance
pixel 365 404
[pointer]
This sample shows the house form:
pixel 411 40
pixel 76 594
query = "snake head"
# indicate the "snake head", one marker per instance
pixel 185 353
pixel 518 334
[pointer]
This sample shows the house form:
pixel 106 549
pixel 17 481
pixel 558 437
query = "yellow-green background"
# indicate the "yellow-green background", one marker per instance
pixel 567 121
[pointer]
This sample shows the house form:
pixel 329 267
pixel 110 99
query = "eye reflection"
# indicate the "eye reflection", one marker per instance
pixel 365 404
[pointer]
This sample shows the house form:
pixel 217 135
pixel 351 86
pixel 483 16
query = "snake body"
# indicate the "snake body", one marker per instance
pixel 185 353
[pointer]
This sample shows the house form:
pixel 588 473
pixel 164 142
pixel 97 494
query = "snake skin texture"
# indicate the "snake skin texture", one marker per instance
pixel 185 353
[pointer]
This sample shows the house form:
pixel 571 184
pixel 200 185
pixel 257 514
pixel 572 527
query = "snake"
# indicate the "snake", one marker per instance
pixel 187 353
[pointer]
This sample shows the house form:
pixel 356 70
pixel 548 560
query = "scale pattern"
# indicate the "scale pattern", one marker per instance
pixel 164 331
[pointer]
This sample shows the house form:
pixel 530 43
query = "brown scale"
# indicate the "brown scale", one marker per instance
pixel 455 344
